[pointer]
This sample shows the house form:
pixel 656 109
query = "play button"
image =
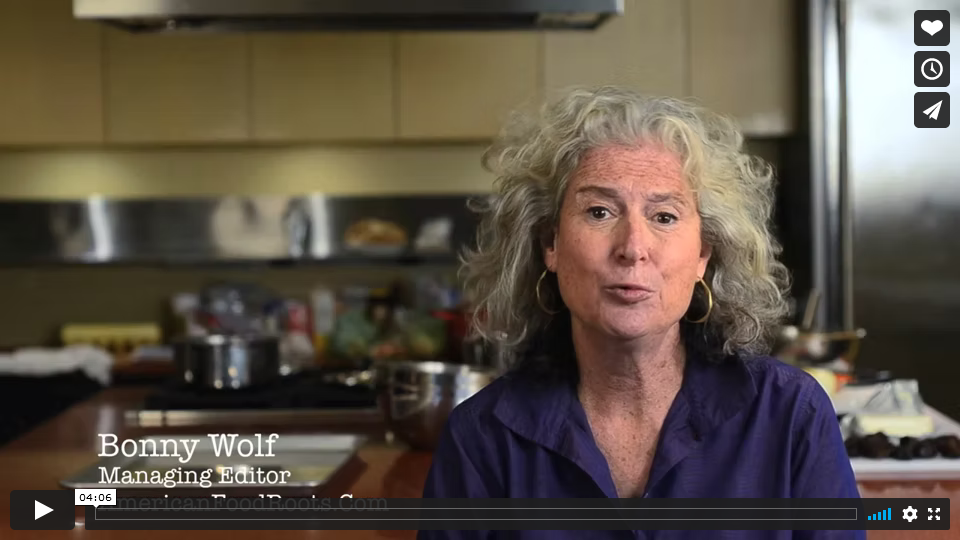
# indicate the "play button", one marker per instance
pixel 35 510
pixel 40 510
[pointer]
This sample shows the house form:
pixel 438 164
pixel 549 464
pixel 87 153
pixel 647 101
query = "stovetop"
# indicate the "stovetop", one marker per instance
pixel 306 390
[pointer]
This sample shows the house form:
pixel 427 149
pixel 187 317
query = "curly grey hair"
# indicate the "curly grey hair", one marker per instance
pixel 533 160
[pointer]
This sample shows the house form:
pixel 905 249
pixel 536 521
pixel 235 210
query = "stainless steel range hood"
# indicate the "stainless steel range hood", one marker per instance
pixel 347 15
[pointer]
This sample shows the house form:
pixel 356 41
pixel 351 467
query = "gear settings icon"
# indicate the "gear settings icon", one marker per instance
pixel 910 514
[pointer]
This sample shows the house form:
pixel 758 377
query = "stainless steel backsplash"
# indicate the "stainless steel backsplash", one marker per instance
pixel 227 228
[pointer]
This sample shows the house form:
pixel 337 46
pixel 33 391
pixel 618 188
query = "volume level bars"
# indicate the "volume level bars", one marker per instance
pixel 880 516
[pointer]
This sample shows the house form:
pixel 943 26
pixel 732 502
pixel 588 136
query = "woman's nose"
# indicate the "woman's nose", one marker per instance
pixel 632 241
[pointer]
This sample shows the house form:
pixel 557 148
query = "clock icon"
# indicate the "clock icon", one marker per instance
pixel 931 68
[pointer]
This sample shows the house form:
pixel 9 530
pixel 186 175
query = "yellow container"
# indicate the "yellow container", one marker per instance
pixel 115 338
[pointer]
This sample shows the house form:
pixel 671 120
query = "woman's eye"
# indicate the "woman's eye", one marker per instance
pixel 665 218
pixel 598 212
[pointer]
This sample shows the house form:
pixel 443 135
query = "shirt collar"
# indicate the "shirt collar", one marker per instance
pixel 549 413
pixel 716 390
pixel 535 408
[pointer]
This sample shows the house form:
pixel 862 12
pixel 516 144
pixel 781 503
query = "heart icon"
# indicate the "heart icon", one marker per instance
pixel 931 27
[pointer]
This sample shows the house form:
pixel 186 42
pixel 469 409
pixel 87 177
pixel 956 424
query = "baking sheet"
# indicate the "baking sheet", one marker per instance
pixel 310 460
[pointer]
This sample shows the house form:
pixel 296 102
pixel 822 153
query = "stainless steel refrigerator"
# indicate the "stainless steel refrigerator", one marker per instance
pixel 885 195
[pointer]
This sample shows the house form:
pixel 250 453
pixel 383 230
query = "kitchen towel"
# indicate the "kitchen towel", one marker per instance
pixel 95 363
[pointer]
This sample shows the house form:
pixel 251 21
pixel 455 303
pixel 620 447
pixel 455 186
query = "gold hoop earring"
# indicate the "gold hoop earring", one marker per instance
pixel 709 303
pixel 539 301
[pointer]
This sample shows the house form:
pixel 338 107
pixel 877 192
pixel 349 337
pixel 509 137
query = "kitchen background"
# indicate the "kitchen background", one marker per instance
pixel 89 110
pixel 91 115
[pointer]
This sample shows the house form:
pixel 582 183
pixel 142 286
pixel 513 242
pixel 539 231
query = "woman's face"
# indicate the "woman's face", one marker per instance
pixel 627 249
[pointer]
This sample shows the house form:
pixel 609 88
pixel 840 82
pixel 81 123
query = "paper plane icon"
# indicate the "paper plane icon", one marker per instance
pixel 40 509
pixel 934 110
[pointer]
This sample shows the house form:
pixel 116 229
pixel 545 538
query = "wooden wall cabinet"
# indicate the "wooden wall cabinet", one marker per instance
pixel 176 88
pixel 463 85
pixel 644 49
pixel 743 61
pixel 70 82
pixel 50 75
pixel 322 87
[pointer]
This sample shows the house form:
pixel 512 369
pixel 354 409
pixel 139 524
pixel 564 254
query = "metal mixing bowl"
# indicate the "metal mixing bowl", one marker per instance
pixel 416 397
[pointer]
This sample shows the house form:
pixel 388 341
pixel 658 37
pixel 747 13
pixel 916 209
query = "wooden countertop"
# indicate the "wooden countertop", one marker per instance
pixel 68 443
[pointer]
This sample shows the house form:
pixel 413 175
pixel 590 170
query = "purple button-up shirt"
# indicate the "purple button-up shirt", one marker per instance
pixel 746 428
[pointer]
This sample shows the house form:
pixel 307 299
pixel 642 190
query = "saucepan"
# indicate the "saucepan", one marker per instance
pixel 228 361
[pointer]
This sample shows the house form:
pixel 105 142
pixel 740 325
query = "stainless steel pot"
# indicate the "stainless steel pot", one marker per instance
pixel 228 361
pixel 416 397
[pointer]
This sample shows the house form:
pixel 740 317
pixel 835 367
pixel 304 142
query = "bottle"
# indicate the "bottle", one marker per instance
pixel 323 311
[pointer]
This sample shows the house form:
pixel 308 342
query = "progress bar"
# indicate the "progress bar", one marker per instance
pixel 509 514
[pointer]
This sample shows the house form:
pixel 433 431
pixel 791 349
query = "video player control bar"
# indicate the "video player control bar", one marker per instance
pixel 515 514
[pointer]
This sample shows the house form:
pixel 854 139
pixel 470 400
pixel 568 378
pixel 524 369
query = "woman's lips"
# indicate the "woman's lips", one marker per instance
pixel 629 293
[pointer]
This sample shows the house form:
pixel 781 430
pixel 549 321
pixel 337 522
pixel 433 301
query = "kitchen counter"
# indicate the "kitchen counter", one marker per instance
pixel 68 443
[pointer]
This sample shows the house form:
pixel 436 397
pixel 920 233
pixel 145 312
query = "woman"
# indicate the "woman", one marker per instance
pixel 627 267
